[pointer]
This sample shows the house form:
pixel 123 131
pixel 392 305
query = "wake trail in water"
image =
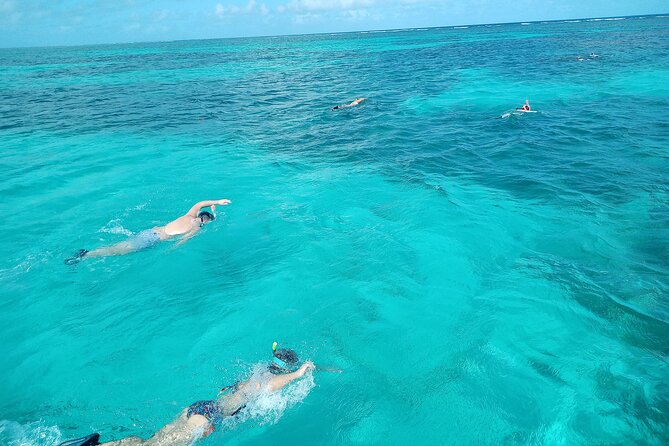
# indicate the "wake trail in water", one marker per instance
pixel 115 227
pixel 28 434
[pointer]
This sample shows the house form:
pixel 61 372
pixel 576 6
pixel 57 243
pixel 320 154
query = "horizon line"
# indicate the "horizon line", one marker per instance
pixel 137 42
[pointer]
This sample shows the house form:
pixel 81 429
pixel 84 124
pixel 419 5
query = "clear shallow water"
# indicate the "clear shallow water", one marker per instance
pixel 480 280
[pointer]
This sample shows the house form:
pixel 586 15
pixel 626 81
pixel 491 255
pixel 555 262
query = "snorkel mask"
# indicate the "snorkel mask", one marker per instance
pixel 210 217
pixel 284 360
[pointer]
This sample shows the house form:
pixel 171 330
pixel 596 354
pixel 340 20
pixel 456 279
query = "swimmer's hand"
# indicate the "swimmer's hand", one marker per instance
pixel 305 368
pixel 222 202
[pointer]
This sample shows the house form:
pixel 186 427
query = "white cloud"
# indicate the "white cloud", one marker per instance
pixel 357 14
pixel 249 8
pixel 311 6
pixel 161 15
pixel 301 19
pixel 132 27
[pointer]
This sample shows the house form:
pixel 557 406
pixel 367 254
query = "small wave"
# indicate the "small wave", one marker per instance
pixel 616 18
pixel 29 434
pixel 525 23
pixel 460 27
pixel 115 227
pixel 572 21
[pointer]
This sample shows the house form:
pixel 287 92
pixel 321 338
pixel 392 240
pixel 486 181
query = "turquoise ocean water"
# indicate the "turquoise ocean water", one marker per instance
pixel 480 280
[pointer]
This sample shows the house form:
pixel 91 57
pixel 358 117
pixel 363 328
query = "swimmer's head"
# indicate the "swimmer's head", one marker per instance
pixel 284 360
pixel 205 217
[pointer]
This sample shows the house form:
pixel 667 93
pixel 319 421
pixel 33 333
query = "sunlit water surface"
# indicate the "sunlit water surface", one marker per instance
pixel 479 280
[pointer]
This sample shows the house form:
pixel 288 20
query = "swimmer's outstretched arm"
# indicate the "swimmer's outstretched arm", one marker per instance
pixel 203 204
pixel 280 381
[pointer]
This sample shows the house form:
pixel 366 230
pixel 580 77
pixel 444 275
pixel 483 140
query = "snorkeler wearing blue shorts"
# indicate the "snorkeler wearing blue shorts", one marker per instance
pixel 200 418
pixel 186 226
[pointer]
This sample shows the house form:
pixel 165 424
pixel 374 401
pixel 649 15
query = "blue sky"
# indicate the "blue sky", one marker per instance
pixel 69 22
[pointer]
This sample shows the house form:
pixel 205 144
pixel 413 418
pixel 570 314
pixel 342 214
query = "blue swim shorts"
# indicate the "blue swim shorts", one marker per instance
pixel 144 239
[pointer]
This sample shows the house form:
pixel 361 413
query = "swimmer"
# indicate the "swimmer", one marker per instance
pixel 200 418
pixel 352 104
pixel 186 226
pixel 526 107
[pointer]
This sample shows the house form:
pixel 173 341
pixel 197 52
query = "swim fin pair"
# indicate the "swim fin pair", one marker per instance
pixel 89 440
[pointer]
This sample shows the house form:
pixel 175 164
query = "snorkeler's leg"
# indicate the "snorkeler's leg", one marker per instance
pixel 129 441
pixel 118 249
pixel 182 431
pixel 113 250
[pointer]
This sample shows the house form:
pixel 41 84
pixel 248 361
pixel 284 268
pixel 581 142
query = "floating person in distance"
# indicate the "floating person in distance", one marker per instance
pixel 185 226
pixel 526 106
pixel 200 418
pixel 352 104
pixel 592 56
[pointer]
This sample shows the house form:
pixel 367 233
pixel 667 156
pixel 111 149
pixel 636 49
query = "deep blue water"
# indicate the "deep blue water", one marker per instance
pixel 479 280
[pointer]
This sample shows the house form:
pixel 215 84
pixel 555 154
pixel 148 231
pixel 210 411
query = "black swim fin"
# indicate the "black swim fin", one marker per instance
pixel 77 257
pixel 89 440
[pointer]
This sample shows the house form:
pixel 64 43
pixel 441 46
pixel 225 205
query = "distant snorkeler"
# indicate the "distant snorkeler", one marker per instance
pixel 200 418
pixel 186 226
pixel 526 106
pixel 591 56
pixel 352 104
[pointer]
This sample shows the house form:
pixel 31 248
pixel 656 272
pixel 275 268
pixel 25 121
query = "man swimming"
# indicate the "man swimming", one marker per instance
pixel 186 226
pixel 200 418
pixel 352 104
pixel 526 107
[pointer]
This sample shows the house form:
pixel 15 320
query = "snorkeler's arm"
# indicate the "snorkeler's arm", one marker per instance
pixel 280 381
pixel 203 204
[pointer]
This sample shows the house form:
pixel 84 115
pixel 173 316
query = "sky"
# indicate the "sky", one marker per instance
pixel 71 22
